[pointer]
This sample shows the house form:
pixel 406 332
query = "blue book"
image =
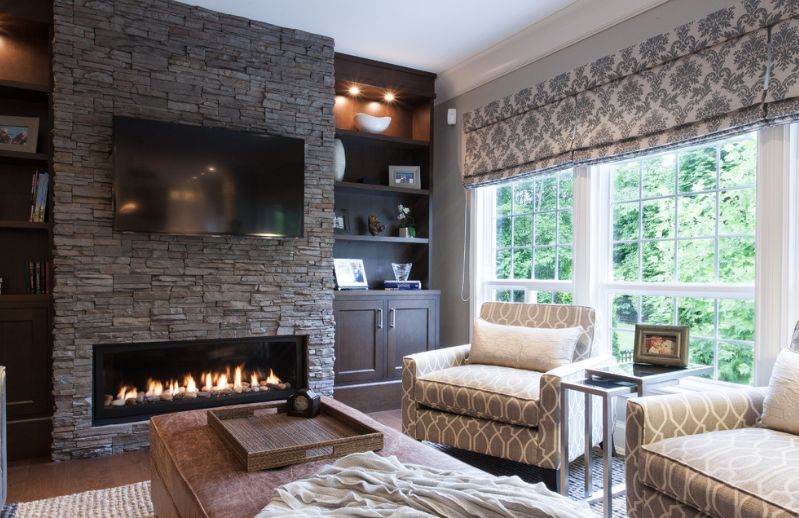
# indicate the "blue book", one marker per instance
pixel 402 285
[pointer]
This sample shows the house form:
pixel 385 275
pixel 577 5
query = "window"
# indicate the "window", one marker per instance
pixel 529 232
pixel 682 250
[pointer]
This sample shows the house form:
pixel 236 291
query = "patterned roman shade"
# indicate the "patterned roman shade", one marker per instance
pixel 734 70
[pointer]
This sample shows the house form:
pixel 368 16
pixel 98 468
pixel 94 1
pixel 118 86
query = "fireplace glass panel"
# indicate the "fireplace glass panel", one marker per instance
pixel 135 381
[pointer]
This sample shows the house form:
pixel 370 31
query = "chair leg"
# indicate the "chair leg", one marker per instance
pixel 551 478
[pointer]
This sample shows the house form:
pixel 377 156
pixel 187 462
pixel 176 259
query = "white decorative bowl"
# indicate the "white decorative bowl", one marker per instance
pixel 371 124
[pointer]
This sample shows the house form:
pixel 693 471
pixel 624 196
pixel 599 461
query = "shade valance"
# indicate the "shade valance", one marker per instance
pixel 733 70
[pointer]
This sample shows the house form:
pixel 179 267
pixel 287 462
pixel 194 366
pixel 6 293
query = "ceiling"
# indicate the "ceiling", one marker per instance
pixel 431 35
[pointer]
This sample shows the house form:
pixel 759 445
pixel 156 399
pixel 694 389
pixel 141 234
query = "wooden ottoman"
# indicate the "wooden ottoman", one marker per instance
pixel 194 475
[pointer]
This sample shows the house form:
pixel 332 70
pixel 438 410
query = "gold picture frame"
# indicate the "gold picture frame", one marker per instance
pixel 661 345
pixel 19 133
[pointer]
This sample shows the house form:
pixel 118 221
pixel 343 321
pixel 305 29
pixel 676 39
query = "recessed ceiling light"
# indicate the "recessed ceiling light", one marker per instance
pixel 354 90
pixel 389 97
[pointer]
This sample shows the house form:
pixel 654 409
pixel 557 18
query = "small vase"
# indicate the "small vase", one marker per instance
pixel 407 232
pixel 341 161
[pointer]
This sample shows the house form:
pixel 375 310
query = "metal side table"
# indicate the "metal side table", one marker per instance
pixel 606 389
pixel 608 383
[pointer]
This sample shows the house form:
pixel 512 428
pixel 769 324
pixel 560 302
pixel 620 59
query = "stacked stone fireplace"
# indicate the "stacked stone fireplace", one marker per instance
pixel 163 60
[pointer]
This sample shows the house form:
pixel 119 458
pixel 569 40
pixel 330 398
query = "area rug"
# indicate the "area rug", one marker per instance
pixel 131 501
pixel 532 474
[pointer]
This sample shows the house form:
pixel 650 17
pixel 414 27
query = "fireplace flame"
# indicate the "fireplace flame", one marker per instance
pixel 220 383
pixel 191 385
pixel 272 379
pixel 237 386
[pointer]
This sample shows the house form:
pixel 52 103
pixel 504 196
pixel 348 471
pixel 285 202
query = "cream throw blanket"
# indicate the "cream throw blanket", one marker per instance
pixel 368 485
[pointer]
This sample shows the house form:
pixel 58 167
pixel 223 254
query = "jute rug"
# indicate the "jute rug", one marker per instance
pixel 133 501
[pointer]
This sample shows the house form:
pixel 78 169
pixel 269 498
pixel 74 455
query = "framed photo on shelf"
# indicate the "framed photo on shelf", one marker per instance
pixel 661 345
pixel 19 133
pixel 341 221
pixel 407 176
pixel 350 274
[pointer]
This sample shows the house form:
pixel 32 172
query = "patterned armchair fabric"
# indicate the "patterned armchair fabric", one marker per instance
pixel 500 411
pixel 667 477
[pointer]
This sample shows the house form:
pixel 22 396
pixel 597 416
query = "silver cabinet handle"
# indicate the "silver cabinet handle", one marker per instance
pixel 380 318
pixel 392 317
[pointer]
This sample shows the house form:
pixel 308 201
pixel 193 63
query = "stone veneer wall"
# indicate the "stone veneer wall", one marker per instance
pixel 163 60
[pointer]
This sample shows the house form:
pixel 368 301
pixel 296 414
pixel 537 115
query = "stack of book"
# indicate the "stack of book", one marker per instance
pixel 39 277
pixel 39 184
pixel 402 285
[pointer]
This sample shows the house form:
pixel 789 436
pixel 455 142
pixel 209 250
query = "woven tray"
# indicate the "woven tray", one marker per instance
pixel 263 436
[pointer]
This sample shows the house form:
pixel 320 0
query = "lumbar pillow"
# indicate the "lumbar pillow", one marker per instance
pixel 780 408
pixel 532 348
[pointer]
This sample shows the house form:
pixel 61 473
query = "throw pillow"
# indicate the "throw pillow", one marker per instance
pixel 532 348
pixel 780 411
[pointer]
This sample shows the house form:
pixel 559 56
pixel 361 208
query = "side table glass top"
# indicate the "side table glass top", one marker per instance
pixel 639 372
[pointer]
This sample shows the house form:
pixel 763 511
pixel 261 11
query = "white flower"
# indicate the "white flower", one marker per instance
pixel 400 208
pixel 401 216
pixel 407 210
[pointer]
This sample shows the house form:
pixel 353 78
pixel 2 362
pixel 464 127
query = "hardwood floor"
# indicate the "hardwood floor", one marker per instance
pixel 36 479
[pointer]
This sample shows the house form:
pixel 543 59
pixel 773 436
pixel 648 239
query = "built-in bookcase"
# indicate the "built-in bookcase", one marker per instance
pixel 25 315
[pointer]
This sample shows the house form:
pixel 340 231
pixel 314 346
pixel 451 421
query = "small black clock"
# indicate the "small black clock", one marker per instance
pixel 304 403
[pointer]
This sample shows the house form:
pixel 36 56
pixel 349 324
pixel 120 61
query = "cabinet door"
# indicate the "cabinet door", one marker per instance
pixel 360 340
pixel 23 352
pixel 412 328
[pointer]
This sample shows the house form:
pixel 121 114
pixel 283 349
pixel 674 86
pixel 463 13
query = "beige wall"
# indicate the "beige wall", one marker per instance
pixel 448 198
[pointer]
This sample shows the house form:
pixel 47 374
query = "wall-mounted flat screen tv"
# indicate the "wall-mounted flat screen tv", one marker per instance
pixel 180 179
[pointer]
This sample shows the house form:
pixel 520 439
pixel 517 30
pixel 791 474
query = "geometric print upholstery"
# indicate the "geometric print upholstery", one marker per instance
pixel 651 420
pixel 493 392
pixel 552 316
pixel 744 472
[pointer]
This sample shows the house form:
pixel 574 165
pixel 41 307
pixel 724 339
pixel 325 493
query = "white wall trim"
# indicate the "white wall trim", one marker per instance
pixel 579 21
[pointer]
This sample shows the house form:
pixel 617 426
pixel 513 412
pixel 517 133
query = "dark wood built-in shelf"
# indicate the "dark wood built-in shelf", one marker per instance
pixel 27 298
pixel 24 225
pixel 21 85
pixel 18 155
pixel 383 239
pixel 381 138
pixel 379 189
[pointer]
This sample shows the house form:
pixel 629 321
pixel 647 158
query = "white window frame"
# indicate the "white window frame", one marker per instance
pixel 776 288
pixel 484 233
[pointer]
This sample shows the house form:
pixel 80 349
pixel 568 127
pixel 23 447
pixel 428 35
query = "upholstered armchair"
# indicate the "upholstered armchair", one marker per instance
pixel 704 454
pixel 500 411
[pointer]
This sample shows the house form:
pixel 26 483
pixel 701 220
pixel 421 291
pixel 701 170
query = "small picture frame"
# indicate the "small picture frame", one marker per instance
pixel 350 274
pixel 661 345
pixel 341 222
pixel 19 133
pixel 406 176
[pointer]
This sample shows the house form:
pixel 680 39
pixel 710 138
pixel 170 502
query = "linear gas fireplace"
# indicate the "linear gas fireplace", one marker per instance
pixel 135 381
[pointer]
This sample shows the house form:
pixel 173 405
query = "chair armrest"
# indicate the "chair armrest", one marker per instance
pixel 652 419
pixel 549 411
pixel 419 364
pixel 655 418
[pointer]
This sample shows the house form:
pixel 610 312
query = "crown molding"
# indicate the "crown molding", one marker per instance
pixel 581 20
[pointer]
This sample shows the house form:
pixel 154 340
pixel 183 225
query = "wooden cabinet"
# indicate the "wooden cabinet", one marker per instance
pixel 374 330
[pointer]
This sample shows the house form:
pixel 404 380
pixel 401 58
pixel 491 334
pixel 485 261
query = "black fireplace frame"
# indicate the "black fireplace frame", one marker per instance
pixel 102 416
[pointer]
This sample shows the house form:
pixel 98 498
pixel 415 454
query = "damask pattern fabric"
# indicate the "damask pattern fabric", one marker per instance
pixel 781 408
pixel 657 418
pixel 488 391
pixel 744 472
pixel 704 79
pixel 521 347
pixel 794 346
